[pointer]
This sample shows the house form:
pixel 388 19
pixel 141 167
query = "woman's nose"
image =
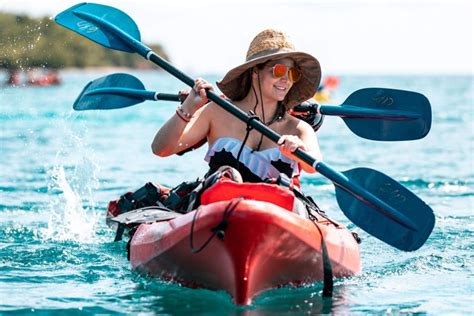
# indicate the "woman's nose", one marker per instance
pixel 285 77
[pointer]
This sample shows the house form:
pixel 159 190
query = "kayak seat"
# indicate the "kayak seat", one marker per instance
pixel 225 189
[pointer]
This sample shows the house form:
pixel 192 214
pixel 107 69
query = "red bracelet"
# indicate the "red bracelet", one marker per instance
pixel 178 113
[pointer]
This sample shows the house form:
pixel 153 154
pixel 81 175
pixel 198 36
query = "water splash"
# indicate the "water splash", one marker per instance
pixel 74 181
pixel 69 219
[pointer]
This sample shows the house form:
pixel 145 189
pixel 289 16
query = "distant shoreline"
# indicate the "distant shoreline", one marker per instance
pixel 111 69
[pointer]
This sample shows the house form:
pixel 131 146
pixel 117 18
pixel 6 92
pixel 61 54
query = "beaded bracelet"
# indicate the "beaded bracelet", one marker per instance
pixel 185 116
pixel 178 113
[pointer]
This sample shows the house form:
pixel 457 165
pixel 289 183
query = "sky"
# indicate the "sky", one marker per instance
pixel 346 36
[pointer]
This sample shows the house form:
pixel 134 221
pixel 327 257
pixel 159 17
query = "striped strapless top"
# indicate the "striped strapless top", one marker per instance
pixel 254 166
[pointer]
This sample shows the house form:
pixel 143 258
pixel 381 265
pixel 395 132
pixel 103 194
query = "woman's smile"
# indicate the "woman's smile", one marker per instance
pixel 281 88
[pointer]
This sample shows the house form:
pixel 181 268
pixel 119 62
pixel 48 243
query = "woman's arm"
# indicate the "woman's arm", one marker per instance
pixel 187 126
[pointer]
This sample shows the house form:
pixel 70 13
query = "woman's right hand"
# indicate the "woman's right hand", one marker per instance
pixel 183 130
pixel 197 96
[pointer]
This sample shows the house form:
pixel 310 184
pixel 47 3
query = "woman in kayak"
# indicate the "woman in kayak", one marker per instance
pixel 274 78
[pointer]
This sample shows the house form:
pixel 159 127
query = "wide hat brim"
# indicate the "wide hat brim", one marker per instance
pixel 232 83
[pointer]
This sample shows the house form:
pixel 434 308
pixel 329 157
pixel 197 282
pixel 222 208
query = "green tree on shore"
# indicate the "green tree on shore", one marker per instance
pixel 27 43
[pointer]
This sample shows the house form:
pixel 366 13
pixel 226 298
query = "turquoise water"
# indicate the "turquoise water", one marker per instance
pixel 60 168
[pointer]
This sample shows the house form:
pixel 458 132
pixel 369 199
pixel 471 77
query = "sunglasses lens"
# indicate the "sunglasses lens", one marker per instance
pixel 279 70
pixel 294 74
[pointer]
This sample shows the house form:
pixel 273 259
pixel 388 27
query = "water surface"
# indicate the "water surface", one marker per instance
pixel 60 168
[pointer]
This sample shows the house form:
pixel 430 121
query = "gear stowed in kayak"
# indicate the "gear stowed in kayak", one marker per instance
pixel 243 238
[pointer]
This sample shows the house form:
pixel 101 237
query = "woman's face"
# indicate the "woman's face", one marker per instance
pixel 275 88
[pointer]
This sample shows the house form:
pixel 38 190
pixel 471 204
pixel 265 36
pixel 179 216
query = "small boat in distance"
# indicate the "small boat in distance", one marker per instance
pixel 326 89
pixel 33 77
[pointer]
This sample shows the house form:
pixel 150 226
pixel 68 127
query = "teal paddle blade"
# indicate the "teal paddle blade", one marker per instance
pixel 102 93
pixel 71 19
pixel 377 222
pixel 413 121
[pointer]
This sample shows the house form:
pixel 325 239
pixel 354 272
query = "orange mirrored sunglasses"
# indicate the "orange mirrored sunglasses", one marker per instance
pixel 280 70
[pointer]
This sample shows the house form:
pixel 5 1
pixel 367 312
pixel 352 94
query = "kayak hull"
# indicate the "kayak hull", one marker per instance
pixel 263 246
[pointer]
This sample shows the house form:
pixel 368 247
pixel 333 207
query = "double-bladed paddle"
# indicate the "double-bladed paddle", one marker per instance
pixel 371 113
pixel 375 202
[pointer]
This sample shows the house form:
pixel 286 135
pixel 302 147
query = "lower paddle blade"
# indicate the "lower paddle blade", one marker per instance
pixel 379 224
pixel 70 19
pixel 90 100
pixel 416 104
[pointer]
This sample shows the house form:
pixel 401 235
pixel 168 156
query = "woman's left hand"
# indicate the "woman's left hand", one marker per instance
pixel 289 143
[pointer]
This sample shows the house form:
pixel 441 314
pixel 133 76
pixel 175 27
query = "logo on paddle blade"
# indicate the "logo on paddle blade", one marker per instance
pixel 392 195
pixel 385 100
pixel 86 27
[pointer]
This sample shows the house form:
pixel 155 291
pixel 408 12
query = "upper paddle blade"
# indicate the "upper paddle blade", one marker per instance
pixel 379 224
pixel 70 19
pixel 89 100
pixel 390 129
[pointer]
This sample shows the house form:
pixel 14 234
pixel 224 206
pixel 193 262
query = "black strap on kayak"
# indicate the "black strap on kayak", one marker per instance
pixel 131 232
pixel 311 206
pixel 209 180
pixel 194 196
pixel 218 230
pixel 119 233
pixel 328 283
pixel 147 195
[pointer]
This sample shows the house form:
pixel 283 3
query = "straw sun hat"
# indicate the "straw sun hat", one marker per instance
pixel 273 45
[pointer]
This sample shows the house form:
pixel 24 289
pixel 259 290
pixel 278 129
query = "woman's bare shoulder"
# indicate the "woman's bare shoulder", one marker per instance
pixel 207 109
pixel 210 107
pixel 296 125
pixel 216 111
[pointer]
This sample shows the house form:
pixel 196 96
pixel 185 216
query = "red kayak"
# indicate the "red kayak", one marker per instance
pixel 244 238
